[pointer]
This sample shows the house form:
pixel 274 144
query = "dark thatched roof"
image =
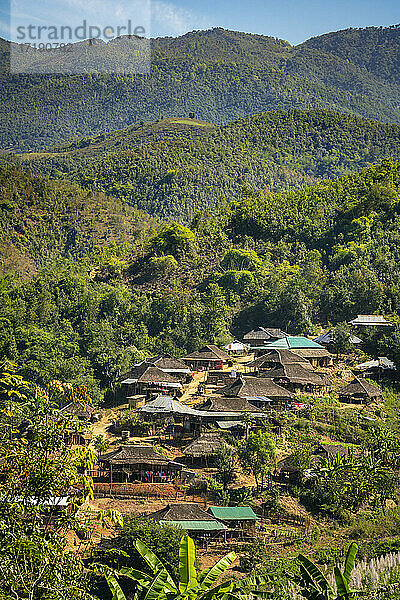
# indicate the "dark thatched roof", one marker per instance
pixel 361 388
pixel 207 444
pixel 78 409
pixel 181 512
pixel 283 357
pixel 264 333
pixel 147 373
pixel 313 353
pixel 135 455
pixel 210 352
pixel 255 387
pixel 332 449
pixel 296 373
pixel 166 362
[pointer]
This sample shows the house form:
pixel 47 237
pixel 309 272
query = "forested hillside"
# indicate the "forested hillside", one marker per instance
pixel 219 75
pixel 174 167
pixel 295 260
pixel 43 220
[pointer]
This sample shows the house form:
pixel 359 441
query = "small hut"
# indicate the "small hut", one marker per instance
pixel 172 366
pixel 381 367
pixel 189 517
pixel 84 412
pixel 205 447
pixel 147 379
pixel 208 357
pixel 240 519
pixel 368 322
pixel 359 391
pixel 261 335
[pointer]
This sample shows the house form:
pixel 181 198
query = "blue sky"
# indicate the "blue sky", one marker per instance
pixel 292 20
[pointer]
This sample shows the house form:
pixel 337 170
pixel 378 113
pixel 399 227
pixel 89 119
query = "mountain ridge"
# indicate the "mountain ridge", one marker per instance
pixel 175 167
pixel 218 74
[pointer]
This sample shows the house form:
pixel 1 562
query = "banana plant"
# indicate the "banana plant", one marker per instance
pixel 315 586
pixel 191 586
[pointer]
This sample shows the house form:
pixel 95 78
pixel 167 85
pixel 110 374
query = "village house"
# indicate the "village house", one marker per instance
pixel 220 378
pixel 261 335
pixel 186 418
pixel 327 340
pixel 131 464
pixel 173 366
pixel 84 412
pixel 225 414
pixel 359 391
pixel 191 518
pixel 236 347
pixel 289 469
pixel 204 449
pixel 300 345
pixel 299 379
pixel 207 358
pixel 146 379
pixel 259 392
pixel 239 519
pixel 368 322
pixel 276 358
pixel 227 408
pixel 382 367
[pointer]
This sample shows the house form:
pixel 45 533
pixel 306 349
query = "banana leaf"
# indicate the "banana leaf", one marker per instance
pixel 187 570
pixel 341 584
pixel 217 570
pixel 349 562
pixel 153 561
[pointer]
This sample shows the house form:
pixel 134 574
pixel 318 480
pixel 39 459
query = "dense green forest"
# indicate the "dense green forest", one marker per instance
pixel 43 220
pixel 175 167
pixel 295 260
pixel 219 75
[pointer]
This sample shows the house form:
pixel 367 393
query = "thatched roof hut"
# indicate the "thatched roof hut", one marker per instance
pixel 296 374
pixel 282 356
pixel 80 410
pixel 137 455
pixel 208 444
pixel 256 387
pixel 359 391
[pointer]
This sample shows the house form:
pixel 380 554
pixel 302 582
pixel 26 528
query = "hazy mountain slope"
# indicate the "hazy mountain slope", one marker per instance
pixel 173 168
pixel 220 75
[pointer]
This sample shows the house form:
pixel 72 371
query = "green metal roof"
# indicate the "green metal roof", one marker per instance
pixel 196 525
pixel 290 342
pixel 233 513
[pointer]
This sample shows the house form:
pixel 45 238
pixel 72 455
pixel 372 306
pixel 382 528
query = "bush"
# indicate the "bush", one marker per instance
pixel 174 239
pixel 163 265
pixel 163 540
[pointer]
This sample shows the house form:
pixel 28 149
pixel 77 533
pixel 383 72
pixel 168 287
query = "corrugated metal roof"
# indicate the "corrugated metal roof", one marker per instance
pixel 292 341
pixel 370 320
pixel 233 513
pixel 196 525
